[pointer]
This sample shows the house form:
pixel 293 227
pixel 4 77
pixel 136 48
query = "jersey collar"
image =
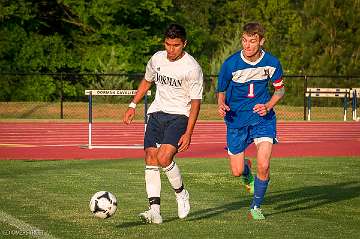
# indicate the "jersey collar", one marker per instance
pixel 253 63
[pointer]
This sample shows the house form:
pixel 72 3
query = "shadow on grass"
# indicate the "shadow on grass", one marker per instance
pixel 211 212
pixel 140 223
pixel 130 224
pixel 196 215
pixel 304 198
pixel 310 197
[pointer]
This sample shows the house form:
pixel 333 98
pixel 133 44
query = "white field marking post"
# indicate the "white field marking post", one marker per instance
pixel 92 93
pixel 355 93
pixel 330 93
pixel 90 122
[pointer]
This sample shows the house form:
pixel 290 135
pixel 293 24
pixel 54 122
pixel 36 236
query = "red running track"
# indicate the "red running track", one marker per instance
pixel 53 141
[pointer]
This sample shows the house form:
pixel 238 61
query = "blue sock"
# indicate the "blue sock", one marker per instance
pixel 246 169
pixel 259 192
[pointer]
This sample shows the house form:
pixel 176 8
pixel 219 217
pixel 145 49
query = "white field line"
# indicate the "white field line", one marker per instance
pixel 24 229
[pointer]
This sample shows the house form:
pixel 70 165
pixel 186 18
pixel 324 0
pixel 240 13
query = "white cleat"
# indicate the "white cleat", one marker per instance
pixel 183 204
pixel 151 216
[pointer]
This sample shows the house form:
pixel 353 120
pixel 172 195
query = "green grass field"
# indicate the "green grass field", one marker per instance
pixel 307 198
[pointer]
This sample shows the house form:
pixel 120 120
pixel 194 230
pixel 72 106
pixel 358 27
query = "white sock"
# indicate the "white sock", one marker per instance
pixel 153 184
pixel 173 173
pixel 155 207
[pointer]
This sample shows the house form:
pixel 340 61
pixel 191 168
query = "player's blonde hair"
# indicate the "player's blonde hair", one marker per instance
pixel 253 28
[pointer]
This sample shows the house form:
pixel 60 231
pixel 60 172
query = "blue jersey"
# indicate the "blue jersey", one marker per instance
pixel 246 84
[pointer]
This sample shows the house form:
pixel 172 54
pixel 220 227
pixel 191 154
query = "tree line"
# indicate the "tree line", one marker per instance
pixel 314 37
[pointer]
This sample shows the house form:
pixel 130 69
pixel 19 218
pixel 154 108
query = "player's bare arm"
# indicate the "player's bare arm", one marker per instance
pixel 222 107
pixel 141 91
pixel 185 139
pixel 263 109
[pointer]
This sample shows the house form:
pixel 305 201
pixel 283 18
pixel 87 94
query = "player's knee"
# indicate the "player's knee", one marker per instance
pixel 164 163
pixel 165 156
pixel 263 170
pixel 164 160
pixel 150 159
pixel 236 173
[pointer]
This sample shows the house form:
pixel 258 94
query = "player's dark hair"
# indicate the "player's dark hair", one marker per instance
pixel 175 31
pixel 253 28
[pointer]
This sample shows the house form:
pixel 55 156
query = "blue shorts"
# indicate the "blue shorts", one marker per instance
pixel 238 139
pixel 163 128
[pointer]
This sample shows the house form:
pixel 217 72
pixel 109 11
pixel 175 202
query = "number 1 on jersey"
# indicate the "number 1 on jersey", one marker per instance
pixel 251 91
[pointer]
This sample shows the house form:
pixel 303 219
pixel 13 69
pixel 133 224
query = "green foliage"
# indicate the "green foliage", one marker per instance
pixel 227 49
pixel 30 88
pixel 70 36
pixel 331 29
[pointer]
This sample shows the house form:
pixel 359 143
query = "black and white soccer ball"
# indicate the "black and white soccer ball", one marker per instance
pixel 103 204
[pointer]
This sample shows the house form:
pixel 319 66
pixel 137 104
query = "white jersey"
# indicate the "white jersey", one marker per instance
pixel 177 83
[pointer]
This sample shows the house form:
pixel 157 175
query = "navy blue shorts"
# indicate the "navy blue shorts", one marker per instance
pixel 163 128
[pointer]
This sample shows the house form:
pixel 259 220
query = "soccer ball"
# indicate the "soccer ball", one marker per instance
pixel 103 204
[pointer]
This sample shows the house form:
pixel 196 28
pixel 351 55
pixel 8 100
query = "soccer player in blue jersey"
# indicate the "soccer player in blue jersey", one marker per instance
pixel 247 107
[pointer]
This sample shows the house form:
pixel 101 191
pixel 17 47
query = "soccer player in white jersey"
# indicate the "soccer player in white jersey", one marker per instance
pixel 247 107
pixel 172 117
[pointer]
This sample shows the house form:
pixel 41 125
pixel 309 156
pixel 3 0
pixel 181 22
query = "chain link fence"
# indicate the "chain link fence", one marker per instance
pixel 62 96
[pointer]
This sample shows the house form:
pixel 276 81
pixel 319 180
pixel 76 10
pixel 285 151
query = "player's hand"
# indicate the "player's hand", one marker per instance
pixel 184 142
pixel 129 115
pixel 261 109
pixel 222 108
